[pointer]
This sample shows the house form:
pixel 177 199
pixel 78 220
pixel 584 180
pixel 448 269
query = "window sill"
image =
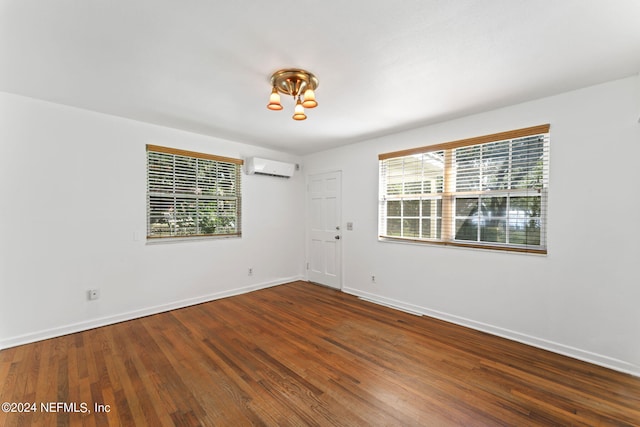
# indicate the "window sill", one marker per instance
pixel 474 246
pixel 183 239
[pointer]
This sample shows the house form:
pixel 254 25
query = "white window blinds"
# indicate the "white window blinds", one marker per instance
pixel 486 192
pixel 192 194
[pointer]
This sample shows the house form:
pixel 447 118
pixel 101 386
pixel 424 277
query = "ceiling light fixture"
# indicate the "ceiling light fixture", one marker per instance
pixel 299 84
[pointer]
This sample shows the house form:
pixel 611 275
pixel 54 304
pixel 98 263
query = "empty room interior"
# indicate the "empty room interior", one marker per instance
pixel 319 213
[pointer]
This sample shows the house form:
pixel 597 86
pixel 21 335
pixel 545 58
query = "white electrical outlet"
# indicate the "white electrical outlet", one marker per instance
pixel 94 294
pixel 250 272
pixel 373 279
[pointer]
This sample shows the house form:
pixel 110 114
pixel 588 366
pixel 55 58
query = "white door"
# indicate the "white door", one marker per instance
pixel 324 236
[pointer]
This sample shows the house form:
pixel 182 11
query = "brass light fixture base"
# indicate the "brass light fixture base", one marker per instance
pixel 293 81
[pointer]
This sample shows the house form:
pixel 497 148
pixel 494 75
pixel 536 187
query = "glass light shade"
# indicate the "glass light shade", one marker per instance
pixel 309 99
pixel 274 100
pixel 298 112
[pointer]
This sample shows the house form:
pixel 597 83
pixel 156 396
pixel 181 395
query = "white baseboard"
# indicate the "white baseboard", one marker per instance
pixel 576 353
pixel 147 311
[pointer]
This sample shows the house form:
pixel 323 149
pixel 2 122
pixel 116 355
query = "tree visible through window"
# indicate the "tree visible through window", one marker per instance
pixel 192 194
pixel 488 192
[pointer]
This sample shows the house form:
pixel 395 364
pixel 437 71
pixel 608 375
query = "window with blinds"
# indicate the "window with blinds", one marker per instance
pixel 485 192
pixel 192 194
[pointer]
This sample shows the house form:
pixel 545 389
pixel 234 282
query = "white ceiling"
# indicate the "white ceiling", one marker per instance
pixel 383 66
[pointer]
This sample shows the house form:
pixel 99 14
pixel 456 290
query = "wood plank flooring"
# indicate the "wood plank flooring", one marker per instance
pixel 304 355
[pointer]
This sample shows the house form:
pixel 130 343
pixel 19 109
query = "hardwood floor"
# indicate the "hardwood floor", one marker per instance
pixel 298 355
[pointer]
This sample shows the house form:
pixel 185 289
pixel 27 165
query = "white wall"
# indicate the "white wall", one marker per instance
pixel 73 188
pixel 583 298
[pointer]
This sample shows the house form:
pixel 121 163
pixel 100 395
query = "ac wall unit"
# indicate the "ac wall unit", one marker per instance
pixel 259 166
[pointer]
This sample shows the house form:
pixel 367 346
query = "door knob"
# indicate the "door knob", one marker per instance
pixel 337 237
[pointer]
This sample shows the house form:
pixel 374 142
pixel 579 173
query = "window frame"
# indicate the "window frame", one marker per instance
pixel 215 192
pixel 449 195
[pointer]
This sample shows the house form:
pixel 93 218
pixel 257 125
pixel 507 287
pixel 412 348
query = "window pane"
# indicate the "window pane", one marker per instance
pixel 467 165
pixel 160 174
pixel 426 228
pixel 433 172
pixel 527 162
pixel 493 230
pixel 523 207
pixel 161 216
pixel 411 228
pixel 227 179
pixel 432 208
pixel 393 208
pixel 226 220
pixel 411 208
pixel 431 228
pixel 185 216
pixel 394 188
pixel 413 187
pixel 467 206
pixel 394 227
pixel 207 177
pixel 492 207
pixel 395 167
pixel 524 220
pixel 492 220
pixel 466 229
pixel 526 233
pixel 412 175
pixel 426 208
pixel 185 175
pixel 208 216
pixel 495 166
pixel 216 216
